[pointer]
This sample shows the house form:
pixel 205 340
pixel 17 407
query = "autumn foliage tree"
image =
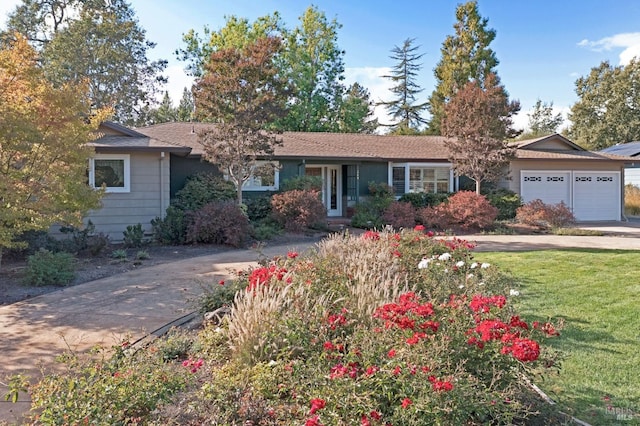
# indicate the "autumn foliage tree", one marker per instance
pixel 479 120
pixel 241 92
pixel 44 131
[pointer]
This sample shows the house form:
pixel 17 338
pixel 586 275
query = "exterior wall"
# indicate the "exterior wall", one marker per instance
pixel 183 167
pixel 632 176
pixel 372 172
pixel 552 145
pixel 513 181
pixel 148 198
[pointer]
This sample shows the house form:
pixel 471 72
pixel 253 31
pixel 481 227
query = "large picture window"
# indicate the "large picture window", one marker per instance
pixel 417 177
pixel 111 171
pixel 263 178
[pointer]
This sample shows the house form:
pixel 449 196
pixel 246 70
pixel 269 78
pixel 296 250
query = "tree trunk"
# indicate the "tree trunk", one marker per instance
pixel 239 191
pixel 478 187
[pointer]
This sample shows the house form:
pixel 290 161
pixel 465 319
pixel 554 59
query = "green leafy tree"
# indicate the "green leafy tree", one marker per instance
pixel 466 56
pixel 403 75
pixel 357 111
pixel 314 64
pixel 241 92
pixel 165 113
pixel 44 131
pixel 606 112
pixel 237 33
pixel 542 120
pixel 98 42
pixel 479 120
pixel 310 59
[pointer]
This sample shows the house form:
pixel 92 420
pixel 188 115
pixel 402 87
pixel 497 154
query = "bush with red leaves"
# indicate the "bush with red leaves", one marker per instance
pixel 465 211
pixel 219 222
pixel 298 210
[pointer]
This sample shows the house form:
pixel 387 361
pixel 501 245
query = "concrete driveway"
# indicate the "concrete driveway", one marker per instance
pixel 103 312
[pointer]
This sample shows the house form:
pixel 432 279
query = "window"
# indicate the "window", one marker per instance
pixel 420 178
pixel 264 177
pixel 111 171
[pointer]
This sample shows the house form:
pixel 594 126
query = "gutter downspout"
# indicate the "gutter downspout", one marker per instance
pixel 162 195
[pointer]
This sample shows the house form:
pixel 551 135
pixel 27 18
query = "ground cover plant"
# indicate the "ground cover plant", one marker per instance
pixel 596 292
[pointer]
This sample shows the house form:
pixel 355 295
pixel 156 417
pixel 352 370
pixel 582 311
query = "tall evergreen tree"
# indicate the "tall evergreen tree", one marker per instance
pixel 403 108
pixel 357 111
pixel 466 56
pixel 186 107
pixel 165 113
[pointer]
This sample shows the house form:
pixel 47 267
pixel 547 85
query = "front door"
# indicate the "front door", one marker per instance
pixel 331 188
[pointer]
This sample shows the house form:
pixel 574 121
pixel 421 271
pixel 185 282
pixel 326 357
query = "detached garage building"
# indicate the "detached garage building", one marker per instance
pixel 554 169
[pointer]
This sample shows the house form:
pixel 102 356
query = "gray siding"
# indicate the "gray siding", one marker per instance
pixel 148 198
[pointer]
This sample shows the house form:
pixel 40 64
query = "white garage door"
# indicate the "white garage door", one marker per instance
pixel 550 187
pixel 596 195
pixel 590 195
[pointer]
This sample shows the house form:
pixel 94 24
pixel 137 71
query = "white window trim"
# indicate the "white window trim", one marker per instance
pixel 408 166
pixel 276 179
pixel 127 171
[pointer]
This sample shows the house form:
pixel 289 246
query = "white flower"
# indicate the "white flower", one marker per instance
pixel 272 363
pixel 485 265
pixel 513 292
pixel 474 265
pixel 481 283
pixel 469 276
pixel 424 263
pixel 461 286
pixel 217 330
pixel 446 270
pixel 444 256
pixel 460 264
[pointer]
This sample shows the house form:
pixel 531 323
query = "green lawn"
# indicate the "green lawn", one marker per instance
pixel 597 294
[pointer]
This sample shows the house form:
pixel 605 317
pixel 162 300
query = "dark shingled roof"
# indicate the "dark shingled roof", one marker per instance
pixel 630 149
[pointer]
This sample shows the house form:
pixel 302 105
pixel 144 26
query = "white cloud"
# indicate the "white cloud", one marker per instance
pixel 629 42
pixel 378 86
pixel 6 7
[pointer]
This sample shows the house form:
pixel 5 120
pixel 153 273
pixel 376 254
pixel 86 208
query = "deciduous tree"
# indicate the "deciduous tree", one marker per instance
pixel 403 108
pixel 542 120
pixel 241 92
pixel 606 112
pixel 479 120
pixel 466 56
pixel 97 41
pixel 44 131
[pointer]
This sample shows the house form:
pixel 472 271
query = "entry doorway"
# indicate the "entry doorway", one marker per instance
pixel 331 187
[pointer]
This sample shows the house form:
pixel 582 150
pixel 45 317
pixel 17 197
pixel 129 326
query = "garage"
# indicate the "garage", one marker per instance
pixel 591 195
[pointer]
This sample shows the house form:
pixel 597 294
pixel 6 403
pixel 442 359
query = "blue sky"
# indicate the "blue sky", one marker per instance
pixel 543 46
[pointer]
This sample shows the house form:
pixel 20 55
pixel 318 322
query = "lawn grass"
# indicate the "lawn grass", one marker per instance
pixel 597 294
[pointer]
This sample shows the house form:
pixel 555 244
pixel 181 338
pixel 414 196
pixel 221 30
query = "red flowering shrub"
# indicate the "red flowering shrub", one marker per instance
pixel 537 213
pixel 399 215
pixel 464 210
pixel 218 223
pixel 298 210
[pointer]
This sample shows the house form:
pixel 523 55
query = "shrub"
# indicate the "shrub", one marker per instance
pixel 77 239
pixel 464 210
pixel 119 254
pixel 97 243
pixel 258 208
pixel 400 215
pixel 368 214
pixel 631 200
pixel 108 387
pixel 172 229
pixel 298 210
pixel 202 189
pixel 219 222
pixel 133 236
pixel 142 255
pixel 424 199
pixel 506 201
pixel 302 183
pixel 47 268
pixel 266 230
pixel 537 213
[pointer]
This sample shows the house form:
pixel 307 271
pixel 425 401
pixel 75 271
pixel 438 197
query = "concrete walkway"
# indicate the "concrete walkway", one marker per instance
pixel 131 305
